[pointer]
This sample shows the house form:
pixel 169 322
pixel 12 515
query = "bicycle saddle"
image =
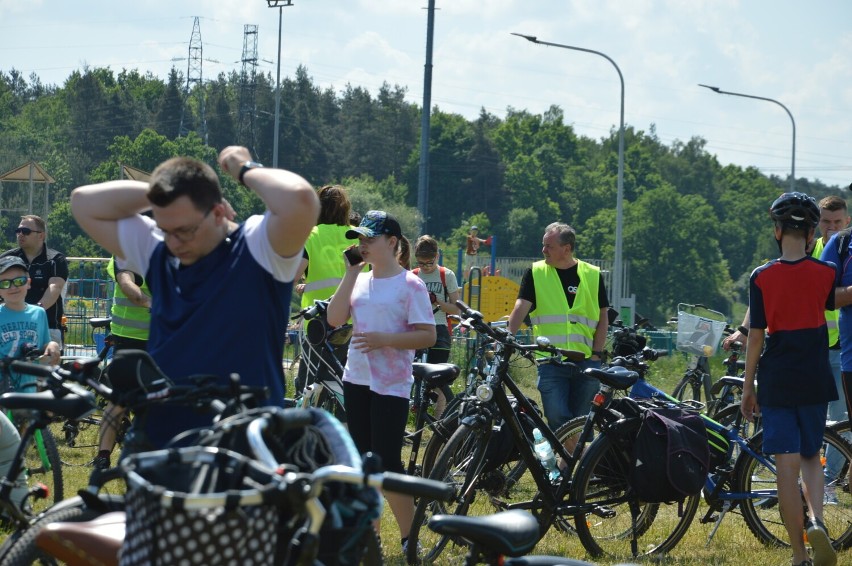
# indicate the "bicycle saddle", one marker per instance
pixel 92 542
pixel 617 377
pixel 133 370
pixel 435 375
pixel 511 533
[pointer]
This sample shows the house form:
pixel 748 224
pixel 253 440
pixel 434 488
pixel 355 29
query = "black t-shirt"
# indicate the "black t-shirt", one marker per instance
pixel 570 281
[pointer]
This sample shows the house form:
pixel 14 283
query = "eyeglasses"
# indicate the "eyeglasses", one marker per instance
pixel 26 232
pixel 426 263
pixel 17 282
pixel 186 234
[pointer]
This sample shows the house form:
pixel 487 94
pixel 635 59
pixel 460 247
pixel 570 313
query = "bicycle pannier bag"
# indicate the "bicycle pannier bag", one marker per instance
pixel 671 457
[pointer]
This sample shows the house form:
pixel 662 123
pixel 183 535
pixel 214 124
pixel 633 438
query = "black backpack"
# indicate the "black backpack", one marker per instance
pixel 671 456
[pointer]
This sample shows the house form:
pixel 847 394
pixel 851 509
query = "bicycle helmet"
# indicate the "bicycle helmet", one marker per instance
pixel 796 210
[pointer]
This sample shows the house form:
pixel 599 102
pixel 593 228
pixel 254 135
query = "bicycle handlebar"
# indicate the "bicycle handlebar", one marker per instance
pixel 81 371
pixel 474 319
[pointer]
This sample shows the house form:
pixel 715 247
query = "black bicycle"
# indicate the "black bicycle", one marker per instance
pixel 496 428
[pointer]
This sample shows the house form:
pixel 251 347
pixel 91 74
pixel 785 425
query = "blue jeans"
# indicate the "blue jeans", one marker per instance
pixel 565 392
pixel 836 412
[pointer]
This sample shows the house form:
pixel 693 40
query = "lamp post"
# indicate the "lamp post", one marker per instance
pixel 717 90
pixel 280 4
pixel 617 269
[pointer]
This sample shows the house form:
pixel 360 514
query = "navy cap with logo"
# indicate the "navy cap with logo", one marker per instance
pixel 376 223
pixel 10 261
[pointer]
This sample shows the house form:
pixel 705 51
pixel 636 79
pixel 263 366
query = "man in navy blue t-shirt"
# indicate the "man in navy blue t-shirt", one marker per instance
pixel 221 291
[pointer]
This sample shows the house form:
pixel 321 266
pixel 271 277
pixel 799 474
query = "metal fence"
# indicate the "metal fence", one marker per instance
pixel 88 294
pixel 513 268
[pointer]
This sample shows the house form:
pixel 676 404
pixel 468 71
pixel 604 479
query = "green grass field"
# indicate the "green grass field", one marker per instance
pixel 732 545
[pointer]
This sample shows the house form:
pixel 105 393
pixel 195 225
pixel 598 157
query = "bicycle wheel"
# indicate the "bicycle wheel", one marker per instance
pixel 460 464
pixel 442 431
pixel 601 479
pixel 23 550
pixel 436 426
pixel 762 514
pixel 689 388
pixel 43 464
pixel 330 401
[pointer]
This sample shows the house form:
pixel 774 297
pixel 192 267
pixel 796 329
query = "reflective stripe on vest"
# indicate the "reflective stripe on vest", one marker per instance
pixel 326 266
pixel 831 317
pixel 330 282
pixel 128 319
pixel 572 328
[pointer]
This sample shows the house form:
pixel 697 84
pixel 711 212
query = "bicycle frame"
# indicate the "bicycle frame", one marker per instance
pixel 313 386
pixel 551 502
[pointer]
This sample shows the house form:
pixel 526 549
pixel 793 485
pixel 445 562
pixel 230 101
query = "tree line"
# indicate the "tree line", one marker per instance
pixel 693 228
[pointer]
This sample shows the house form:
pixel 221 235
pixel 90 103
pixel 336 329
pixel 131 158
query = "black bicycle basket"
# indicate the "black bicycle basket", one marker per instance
pixel 199 505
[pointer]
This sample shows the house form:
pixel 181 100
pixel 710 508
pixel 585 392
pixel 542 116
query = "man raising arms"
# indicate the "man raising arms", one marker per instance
pixel 221 294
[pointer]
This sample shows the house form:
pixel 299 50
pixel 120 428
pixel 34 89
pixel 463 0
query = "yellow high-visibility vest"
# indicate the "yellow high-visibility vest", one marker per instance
pixel 572 328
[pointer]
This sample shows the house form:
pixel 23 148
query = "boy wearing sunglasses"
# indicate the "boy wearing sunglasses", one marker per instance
pixel 20 324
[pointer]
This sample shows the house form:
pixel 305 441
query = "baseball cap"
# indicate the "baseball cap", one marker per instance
pixel 376 223
pixel 474 228
pixel 11 261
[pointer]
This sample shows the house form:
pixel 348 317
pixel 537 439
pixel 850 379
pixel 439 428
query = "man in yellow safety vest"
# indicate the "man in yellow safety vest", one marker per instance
pixel 567 302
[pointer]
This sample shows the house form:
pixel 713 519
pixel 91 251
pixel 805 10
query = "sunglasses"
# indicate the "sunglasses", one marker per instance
pixel 426 263
pixel 17 282
pixel 26 231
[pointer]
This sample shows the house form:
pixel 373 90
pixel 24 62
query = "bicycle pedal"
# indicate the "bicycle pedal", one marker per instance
pixel 604 512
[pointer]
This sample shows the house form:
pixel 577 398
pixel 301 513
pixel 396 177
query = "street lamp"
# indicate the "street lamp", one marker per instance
pixel 717 90
pixel 617 277
pixel 280 4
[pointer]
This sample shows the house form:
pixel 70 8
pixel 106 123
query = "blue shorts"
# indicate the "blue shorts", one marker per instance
pixel 793 430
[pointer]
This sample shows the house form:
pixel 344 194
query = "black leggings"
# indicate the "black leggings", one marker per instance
pixel 376 423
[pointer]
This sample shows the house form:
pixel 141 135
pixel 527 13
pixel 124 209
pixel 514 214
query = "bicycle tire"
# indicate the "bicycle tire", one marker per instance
pixel 763 516
pixel 601 478
pixel 428 431
pixel 328 401
pixel 442 431
pixel 24 551
pixel 460 463
pixel 48 472
pixel 688 389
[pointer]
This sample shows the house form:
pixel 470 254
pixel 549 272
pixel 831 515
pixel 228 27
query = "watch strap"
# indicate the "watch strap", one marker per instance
pixel 246 167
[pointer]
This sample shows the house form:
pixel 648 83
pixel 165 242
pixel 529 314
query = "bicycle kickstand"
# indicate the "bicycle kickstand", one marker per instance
pixel 726 506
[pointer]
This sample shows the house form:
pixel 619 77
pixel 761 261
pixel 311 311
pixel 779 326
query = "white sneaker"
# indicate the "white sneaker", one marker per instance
pixel 824 554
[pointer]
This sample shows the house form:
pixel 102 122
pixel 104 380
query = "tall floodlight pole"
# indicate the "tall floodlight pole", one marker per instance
pixel 280 4
pixel 717 90
pixel 617 269
pixel 425 124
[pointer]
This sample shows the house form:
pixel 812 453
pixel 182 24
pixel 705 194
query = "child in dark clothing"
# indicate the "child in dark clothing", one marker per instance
pixel 788 298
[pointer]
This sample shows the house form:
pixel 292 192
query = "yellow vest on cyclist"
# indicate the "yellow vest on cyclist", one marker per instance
pixel 572 328
pixel 831 317
pixel 326 266
pixel 128 320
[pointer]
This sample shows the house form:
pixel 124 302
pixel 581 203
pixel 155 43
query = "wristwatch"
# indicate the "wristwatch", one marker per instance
pixel 598 353
pixel 246 166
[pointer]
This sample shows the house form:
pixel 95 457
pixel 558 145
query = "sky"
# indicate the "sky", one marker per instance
pixel 797 53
